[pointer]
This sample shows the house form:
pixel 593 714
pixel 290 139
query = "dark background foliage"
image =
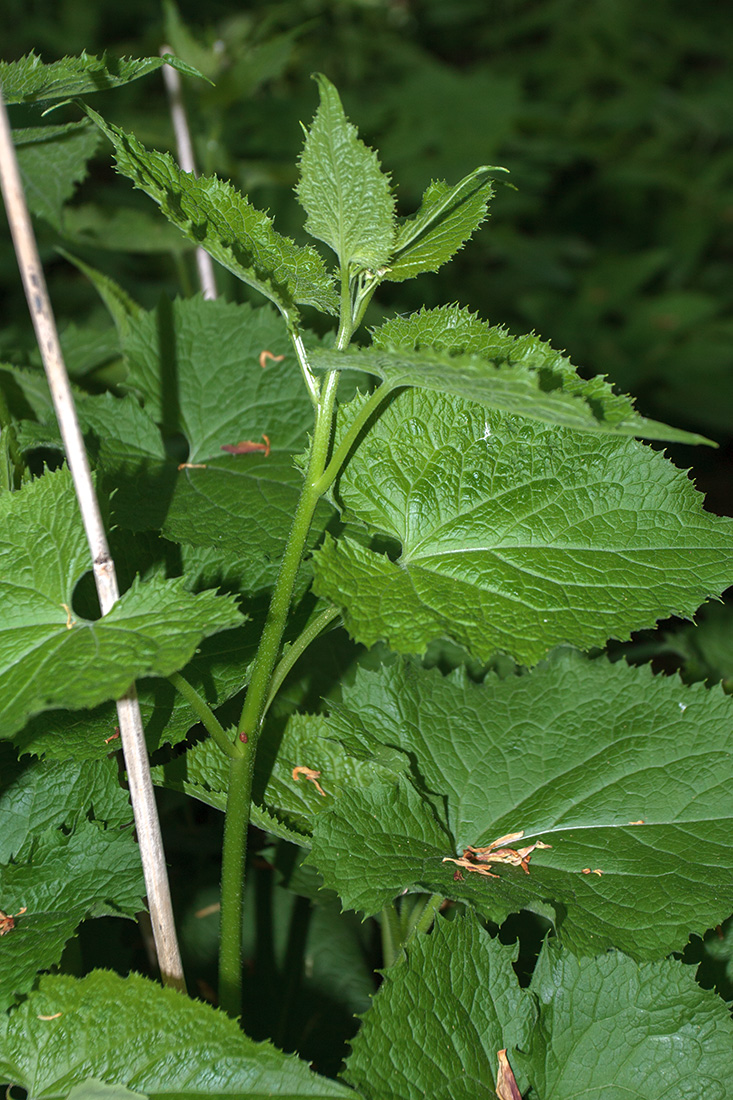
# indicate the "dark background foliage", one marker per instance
pixel 613 240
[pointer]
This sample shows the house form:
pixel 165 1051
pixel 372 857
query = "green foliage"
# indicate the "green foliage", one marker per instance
pixel 214 215
pixel 503 525
pixel 485 508
pixel 31 81
pixel 462 1035
pixel 606 1025
pixel 605 779
pixel 72 1030
pixel 51 657
pixel 344 192
pixel 70 147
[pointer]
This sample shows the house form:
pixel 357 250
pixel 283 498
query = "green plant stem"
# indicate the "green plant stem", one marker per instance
pixel 311 383
pixel 234 853
pixel 340 453
pixel 296 650
pixel 245 747
pixel 390 925
pixel 421 917
pixel 206 715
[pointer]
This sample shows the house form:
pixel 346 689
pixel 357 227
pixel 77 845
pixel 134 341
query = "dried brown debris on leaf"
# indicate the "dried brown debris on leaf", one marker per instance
pixel 311 775
pixel 497 852
pixel 7 920
pixel 506 1085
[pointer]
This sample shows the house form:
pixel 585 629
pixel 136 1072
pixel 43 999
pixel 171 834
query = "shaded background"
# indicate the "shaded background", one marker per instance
pixel 614 242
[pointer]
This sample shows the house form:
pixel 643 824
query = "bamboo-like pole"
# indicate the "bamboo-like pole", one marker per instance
pixel 187 161
pixel 128 710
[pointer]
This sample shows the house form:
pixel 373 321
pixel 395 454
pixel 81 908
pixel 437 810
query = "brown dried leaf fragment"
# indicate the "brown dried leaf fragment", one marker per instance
pixel 265 355
pixel 7 921
pixel 506 1084
pixel 469 867
pixel 247 447
pixel 312 777
pixel 494 853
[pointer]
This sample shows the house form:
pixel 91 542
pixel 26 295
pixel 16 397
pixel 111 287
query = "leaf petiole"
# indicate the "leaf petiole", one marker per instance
pixel 340 454
pixel 296 649
pixel 205 714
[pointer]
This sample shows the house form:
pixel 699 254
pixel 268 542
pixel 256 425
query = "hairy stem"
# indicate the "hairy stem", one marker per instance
pixel 390 926
pixel 297 649
pixel 351 435
pixel 242 765
pixel 205 714
pixel 422 915
pixel 234 851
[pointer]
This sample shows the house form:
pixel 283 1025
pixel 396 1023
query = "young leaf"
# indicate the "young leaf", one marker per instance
pixel 215 216
pixel 72 1029
pixel 515 537
pixel 49 657
pixel 626 775
pixel 30 81
pixel 471 1006
pixel 450 350
pixel 343 190
pixel 59 878
pixel 447 217
pixel 608 1027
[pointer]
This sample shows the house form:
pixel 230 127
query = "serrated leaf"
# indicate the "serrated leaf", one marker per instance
pixel 218 670
pixel 469 1006
pixel 73 1029
pixel 514 536
pixel 377 842
pixel 450 350
pixel 30 81
pixel 345 194
pixel 52 161
pixel 202 773
pixel 59 879
pixel 293 803
pixel 46 795
pixel 621 772
pixel 216 217
pixel 196 366
pixel 611 1027
pixel 49 657
pixel 447 218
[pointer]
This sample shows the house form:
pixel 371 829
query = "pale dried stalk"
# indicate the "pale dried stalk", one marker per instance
pixel 187 162
pixel 128 710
